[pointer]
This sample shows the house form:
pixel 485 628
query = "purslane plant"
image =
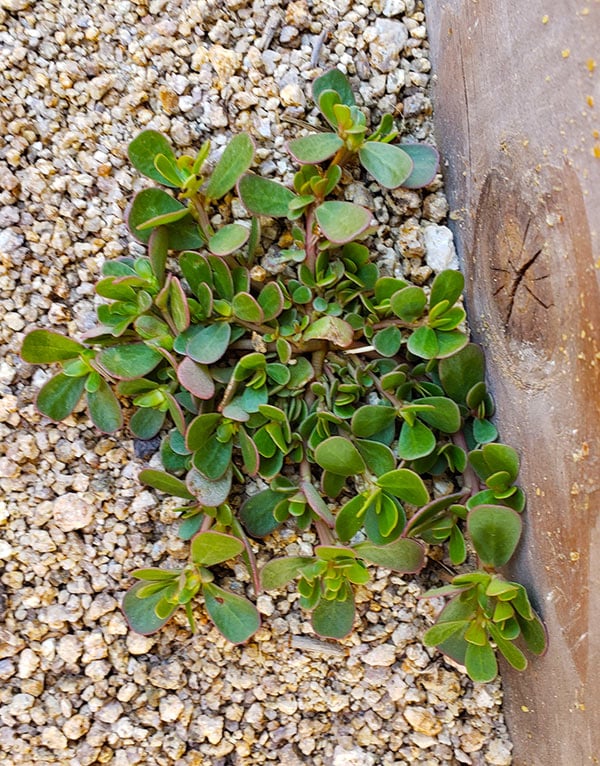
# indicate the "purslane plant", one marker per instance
pixel 344 391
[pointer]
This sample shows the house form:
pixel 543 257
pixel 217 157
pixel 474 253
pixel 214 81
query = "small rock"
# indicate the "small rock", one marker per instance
pixel 206 727
pixel 53 738
pixel 440 253
pixel 386 39
pixel 498 753
pixel 170 708
pixel 356 756
pixel 381 656
pixel 76 726
pixel 71 512
pixel 423 721
pixel 28 663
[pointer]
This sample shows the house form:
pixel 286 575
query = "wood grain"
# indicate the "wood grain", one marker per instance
pixel 517 110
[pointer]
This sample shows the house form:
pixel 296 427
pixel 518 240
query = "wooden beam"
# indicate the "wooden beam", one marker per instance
pixel 517 115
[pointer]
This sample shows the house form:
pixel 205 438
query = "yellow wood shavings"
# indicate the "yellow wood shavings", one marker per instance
pixel 566 53
pixel 591 64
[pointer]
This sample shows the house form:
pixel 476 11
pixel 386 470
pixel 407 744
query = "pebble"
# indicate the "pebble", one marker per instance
pixel 440 252
pixel 381 656
pixel 72 512
pixel 77 685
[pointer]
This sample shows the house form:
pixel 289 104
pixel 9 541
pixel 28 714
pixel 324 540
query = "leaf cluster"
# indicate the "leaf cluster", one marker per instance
pixel 346 391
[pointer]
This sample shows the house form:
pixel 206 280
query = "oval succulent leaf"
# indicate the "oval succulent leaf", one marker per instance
pixel 196 379
pixel 228 239
pixel 342 222
pixel 315 148
pixel 140 612
pixel 426 161
pixel 495 532
pixel 105 411
pixel 144 149
pixel 164 482
pixel 406 485
pixel 59 396
pixel 371 419
pixel 206 491
pixel 334 619
pixel 279 572
pixel 210 548
pixel 44 347
pixel 339 456
pixel 336 81
pixel 234 616
pixel 233 163
pixel 262 196
pixel 403 555
pixel 390 165
pixel 150 204
pixel 129 361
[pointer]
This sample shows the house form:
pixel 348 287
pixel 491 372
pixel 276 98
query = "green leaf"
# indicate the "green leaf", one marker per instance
pixel 104 408
pixel 415 441
pixel 45 347
pixel 247 308
pixel 423 342
pixel 350 517
pixel 207 492
pixel 210 548
pixel 425 165
pixel 408 303
pixel 315 148
pixel 327 100
pixel 250 456
pixel 201 429
pixel 442 631
pixel 256 513
pixel 145 423
pixel 445 415
pixel 342 222
pixel 163 219
pixel 129 361
pixel 390 165
pixel 279 572
pixel 457 548
pixel 158 250
pixel 140 612
pixel 533 634
pixel 228 239
pixel 149 205
pixel 334 619
pixel 461 371
pixel 213 458
pixel 447 286
pixel 167 167
pixel 153 574
pixel 164 482
pixel 336 81
pixel 371 419
pixel 233 163
pixel 378 457
pixel 403 555
pixel 208 344
pixel 143 151
pixel 333 329
pixel 513 655
pixel 270 299
pixel 450 342
pixel 481 664
pixel 339 456
pixel 58 397
pixel 196 379
pixel 234 616
pixel 261 196
pixel 387 342
pixel 495 532
pixel 406 485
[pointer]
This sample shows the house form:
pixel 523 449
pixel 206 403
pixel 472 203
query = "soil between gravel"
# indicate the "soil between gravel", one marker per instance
pixel 77 83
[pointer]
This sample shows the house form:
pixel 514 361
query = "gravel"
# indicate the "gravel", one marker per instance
pixel 78 687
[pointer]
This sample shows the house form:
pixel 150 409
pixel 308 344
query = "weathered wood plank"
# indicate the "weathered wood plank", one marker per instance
pixel 514 99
